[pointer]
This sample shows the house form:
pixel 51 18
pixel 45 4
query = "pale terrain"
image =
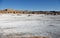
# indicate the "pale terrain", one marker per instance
pixel 30 25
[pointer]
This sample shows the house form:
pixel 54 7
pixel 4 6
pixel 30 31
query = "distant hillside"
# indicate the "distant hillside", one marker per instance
pixel 29 12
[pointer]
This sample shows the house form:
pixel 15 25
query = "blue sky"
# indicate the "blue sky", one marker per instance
pixel 42 5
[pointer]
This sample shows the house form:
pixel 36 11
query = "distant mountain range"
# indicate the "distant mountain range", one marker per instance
pixel 5 11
